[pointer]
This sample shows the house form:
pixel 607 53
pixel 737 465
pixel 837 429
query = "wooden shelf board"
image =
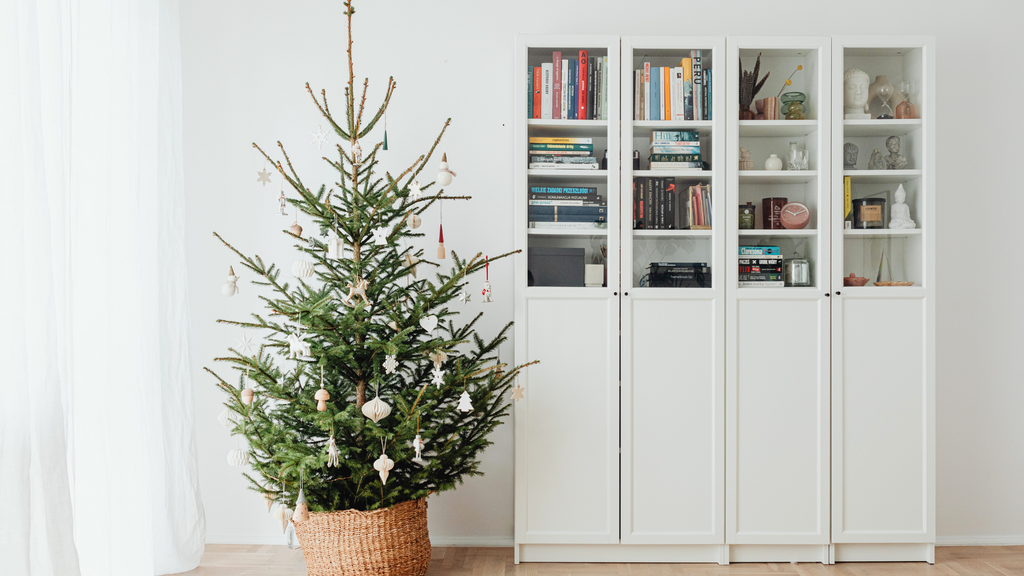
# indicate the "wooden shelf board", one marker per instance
pixel 880 127
pixel 798 233
pixel 571 127
pixel 777 176
pixel 567 231
pixel 881 175
pixel 777 127
pixel 671 233
pixel 886 233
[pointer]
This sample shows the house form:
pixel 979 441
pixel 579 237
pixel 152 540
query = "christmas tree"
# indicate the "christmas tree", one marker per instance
pixel 365 392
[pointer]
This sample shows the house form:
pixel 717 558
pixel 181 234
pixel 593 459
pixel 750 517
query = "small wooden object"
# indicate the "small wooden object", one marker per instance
pixel 321 397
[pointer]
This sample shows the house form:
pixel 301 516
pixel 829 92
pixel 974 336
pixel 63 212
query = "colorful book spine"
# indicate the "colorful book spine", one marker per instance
pixel 559 140
pixel 707 90
pixel 647 91
pixel 705 108
pixel 563 190
pixel 557 146
pixel 566 203
pixel 666 93
pixel 529 92
pixel 590 89
pixel 634 204
pixel 556 92
pixel 670 203
pixel 687 65
pixel 562 159
pixel 655 93
pixel 569 225
pixel 567 210
pixel 675 157
pixel 698 81
pixel 666 137
pixel 563 110
pixel 688 166
pixel 547 90
pixel 569 218
pixel 687 149
pixel 604 97
pixel 573 71
pixel 536 92
pixel 582 96
pixel 759 251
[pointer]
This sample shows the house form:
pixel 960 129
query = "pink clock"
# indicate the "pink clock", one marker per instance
pixel 795 216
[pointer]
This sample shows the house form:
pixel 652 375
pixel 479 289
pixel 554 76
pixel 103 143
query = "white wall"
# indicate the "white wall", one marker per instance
pixel 244 66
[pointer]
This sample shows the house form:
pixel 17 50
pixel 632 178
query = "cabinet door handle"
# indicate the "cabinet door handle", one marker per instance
pixel 827 294
pixel 615 293
pixel 838 292
pixel 625 293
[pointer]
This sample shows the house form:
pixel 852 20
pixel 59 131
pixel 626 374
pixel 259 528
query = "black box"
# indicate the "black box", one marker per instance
pixel 555 266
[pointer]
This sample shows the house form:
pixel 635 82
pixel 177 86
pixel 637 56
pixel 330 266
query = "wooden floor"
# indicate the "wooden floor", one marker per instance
pixel 244 560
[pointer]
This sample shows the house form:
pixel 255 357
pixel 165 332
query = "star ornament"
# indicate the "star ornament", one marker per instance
pixel 390 363
pixel 464 297
pixel 517 392
pixel 438 377
pixel 319 137
pixel 380 236
pixel 263 177
pixel 245 344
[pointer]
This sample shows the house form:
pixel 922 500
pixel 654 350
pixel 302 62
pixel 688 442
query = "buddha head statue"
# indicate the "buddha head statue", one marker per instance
pixel 855 91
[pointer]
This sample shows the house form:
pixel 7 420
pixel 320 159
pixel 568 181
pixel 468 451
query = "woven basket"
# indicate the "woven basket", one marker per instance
pixel 388 542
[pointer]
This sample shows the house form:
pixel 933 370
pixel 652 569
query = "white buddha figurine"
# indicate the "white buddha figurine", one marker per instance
pixel 899 216
pixel 855 92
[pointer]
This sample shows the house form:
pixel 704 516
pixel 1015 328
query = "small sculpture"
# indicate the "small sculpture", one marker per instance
pixel 899 216
pixel 882 89
pixel 230 288
pixel 745 162
pixel 876 162
pixel 417 444
pixel 895 160
pixel 321 397
pixel 297 345
pixel 444 174
pixel 850 152
pixel 357 291
pixel 357 153
pixel 773 163
pixel 855 92
pixel 749 87
pixel 486 293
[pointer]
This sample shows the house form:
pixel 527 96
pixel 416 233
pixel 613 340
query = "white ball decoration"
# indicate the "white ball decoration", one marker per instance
pixel 302 269
pixel 376 409
pixel 228 418
pixel 238 457
pixel 444 177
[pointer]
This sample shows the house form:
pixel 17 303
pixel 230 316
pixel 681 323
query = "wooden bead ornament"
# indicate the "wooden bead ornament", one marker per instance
pixel 230 288
pixel 247 396
pixel 444 174
pixel 321 396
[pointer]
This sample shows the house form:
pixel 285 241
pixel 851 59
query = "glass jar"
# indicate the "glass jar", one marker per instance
pixel 793 105
pixel 747 214
pixel 869 213
pixel 797 158
pixel 797 272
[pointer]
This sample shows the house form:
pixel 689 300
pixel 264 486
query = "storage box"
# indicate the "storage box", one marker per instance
pixel 555 266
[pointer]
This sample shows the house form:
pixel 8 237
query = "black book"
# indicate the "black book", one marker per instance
pixel 590 88
pixel 670 203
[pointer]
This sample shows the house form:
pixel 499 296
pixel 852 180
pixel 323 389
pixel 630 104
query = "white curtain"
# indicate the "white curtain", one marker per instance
pixel 98 472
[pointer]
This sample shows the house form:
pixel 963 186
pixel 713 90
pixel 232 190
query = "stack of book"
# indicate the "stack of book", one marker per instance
pixel 760 267
pixel 679 275
pixel 680 93
pixel 698 208
pixel 569 88
pixel 675 150
pixel 566 207
pixel 562 153
pixel 657 205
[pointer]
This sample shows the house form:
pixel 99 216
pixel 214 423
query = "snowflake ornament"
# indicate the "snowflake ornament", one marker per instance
pixel 319 137
pixel 245 344
pixel 464 297
pixel 438 377
pixel 414 190
pixel 390 363
pixel 263 177
pixel 380 236
pixel 517 392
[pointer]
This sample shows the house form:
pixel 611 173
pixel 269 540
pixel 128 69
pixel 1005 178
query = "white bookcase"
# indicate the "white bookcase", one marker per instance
pixel 728 424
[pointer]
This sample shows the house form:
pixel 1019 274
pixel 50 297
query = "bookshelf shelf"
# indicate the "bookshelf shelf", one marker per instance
pixel 777 176
pixel 570 127
pixel 588 175
pixel 694 175
pixel 645 127
pixel 672 233
pixel 770 128
pixel 881 176
pixel 900 127
pixel 566 232
pixel 854 234
pixel 805 233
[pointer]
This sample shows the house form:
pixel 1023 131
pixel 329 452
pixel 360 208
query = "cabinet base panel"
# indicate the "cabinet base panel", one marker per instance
pixel 779 553
pixel 883 553
pixel 711 553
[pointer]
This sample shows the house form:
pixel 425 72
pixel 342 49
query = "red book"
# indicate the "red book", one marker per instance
pixel 556 94
pixel 536 92
pixel 583 86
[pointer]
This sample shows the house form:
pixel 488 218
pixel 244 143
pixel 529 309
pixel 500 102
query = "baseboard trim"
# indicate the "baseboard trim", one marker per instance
pixel 980 540
pixel 435 541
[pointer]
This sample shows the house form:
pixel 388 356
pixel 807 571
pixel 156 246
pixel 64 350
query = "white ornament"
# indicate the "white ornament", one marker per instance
pixel 428 323
pixel 444 175
pixel 297 345
pixel 417 444
pixel 464 297
pixel 438 357
pixel 411 261
pixel 282 513
pixel 263 177
pixel 415 221
pixel 302 269
pixel 228 418
pixel 464 404
pixel 390 363
pixel 487 292
pixel 335 247
pixel 357 153
pixel 437 376
pixel 376 409
pixel 414 190
pixel 899 218
pixel 268 500
pixel 517 392
pixel 245 344
pixel 332 453
pixel 301 513
pixel 357 291
pixel 319 137
pixel 230 288
pixel 238 457
pixel 380 236
pixel 383 465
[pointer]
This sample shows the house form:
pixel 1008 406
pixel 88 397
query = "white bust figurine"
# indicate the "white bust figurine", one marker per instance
pixel 899 217
pixel 855 92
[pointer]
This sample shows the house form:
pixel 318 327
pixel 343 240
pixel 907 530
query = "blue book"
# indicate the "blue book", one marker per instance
pixel 569 101
pixel 760 251
pixel 563 190
pixel 568 210
pixel 655 93
pixel 529 92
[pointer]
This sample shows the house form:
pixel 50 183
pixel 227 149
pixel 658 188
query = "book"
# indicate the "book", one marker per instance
pixel 569 225
pixel 534 209
pixel 547 90
pixel 671 200
pixel 571 100
pixel 655 93
pixel 673 149
pixel 659 157
pixel 687 166
pixel 567 218
pixel 698 81
pixel 760 284
pixel 542 157
pixel 561 166
pixel 561 146
pixel 663 137
pixel 567 203
pixel 558 191
pixel 559 140
pixel 638 201
pixel 529 91
pixel 604 97
pixel 649 205
pixel 582 96
pixel 707 95
pixel 759 250
pixel 556 91
pixel 563 92
pixel 562 152
pixel 647 91
pixel 634 203
pixel 536 92
pixel 687 64
pixel 597 87
pixel 665 92
pixel 637 93
pixel 590 89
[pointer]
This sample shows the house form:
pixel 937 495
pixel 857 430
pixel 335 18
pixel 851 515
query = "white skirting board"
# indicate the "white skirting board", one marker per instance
pixel 726 554
pixel 1017 540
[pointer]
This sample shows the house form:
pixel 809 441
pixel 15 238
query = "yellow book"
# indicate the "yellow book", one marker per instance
pixel 687 95
pixel 848 202
pixel 666 97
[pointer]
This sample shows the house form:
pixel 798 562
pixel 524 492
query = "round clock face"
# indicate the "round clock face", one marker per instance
pixel 795 216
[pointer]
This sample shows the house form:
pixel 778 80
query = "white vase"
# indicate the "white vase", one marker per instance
pixel 773 163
